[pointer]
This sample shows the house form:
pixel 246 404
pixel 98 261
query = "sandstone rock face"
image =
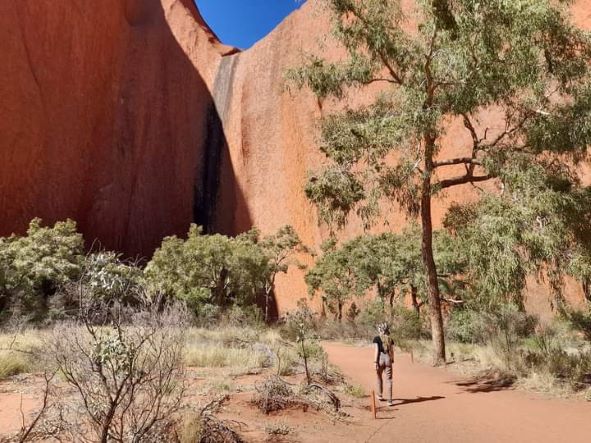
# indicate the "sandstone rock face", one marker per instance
pixel 103 116
pixel 131 118
pixel 271 144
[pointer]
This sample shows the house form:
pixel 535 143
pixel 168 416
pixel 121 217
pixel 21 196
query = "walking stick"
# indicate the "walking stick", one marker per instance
pixel 373 404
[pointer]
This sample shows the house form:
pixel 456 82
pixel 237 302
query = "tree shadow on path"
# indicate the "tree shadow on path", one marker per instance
pixel 487 383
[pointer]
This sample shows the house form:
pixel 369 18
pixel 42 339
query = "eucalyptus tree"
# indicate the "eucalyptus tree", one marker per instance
pixel 445 61
pixel 218 271
pixel 387 264
pixel 278 250
pixel 337 278
pixel 213 270
pixel 541 224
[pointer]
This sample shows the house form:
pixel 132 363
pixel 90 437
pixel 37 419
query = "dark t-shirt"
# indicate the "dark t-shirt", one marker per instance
pixel 383 349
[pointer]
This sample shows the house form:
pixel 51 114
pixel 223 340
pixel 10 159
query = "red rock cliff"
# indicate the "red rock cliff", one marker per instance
pixel 132 119
pixel 271 143
pixel 103 115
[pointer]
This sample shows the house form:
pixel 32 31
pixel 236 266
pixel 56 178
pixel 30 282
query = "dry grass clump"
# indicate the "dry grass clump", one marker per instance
pixel 13 363
pixel 274 394
pixel 17 352
pixel 204 427
pixel 278 429
pixel 244 349
pixel 355 391
pixel 209 355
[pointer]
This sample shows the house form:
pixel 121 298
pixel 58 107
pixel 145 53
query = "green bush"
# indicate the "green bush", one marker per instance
pixel 545 352
pixel 216 270
pixel 406 324
pixel 464 326
pixel 581 322
pixel 372 313
pixel 33 267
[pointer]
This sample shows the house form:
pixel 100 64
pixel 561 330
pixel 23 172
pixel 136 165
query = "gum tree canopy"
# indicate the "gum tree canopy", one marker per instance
pixel 441 62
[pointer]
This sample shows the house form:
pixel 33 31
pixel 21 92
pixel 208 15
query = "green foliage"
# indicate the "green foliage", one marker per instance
pixel 386 264
pixel 33 267
pixel 581 322
pixel 539 224
pixel 299 328
pixel 463 326
pixel 207 269
pixel 501 326
pixel 215 270
pixel 546 352
pixel 522 61
pixel 525 58
pixel 406 324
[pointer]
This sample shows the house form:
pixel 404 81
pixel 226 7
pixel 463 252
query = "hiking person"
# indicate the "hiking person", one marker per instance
pixel 384 358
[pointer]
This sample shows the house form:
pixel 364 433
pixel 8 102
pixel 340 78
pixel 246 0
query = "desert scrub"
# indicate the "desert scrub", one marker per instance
pixel 277 429
pixel 203 426
pixel 275 394
pixel 215 356
pixel 355 391
pixel 286 360
pixel 17 352
pixel 13 363
pixel 240 348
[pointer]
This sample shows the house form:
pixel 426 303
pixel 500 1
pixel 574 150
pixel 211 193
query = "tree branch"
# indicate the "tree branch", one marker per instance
pixel 452 301
pixel 391 70
pixel 468 124
pixel 457 161
pixel 382 80
pixel 461 180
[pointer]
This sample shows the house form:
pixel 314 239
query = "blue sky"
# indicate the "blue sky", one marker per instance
pixel 241 23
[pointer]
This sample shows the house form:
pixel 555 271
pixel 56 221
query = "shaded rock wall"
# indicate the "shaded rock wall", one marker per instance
pixel 103 114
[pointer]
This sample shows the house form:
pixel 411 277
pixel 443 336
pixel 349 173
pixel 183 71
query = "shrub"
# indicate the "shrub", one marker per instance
pixel 407 324
pixel 13 363
pixel 581 321
pixel 206 270
pixel 34 266
pixel 244 316
pixel 464 326
pixel 128 377
pixel 372 313
pixel 104 278
pixel 355 391
pixel 276 429
pixel 203 426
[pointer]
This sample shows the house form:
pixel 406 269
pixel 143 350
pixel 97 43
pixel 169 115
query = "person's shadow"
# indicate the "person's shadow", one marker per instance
pixel 400 402
pixel 406 401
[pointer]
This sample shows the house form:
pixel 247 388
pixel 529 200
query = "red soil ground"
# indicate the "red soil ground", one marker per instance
pixel 434 405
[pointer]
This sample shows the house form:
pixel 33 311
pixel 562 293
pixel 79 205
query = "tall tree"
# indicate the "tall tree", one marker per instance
pixel 443 62
pixel 278 249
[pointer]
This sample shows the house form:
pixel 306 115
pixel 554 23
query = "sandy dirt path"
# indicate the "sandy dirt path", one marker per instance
pixel 436 405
